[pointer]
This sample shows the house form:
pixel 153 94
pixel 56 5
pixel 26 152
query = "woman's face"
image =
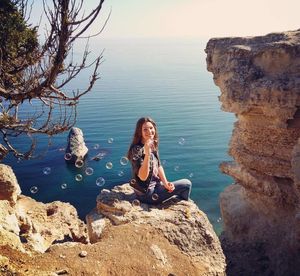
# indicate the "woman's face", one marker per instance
pixel 148 131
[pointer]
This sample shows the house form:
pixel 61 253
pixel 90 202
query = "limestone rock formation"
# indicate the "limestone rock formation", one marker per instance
pixel 28 225
pixel 9 188
pixel 259 79
pixel 180 222
pixel 76 148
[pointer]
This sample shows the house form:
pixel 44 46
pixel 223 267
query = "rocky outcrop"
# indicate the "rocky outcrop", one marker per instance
pixel 9 188
pixel 180 222
pixel 28 225
pixel 76 149
pixel 259 79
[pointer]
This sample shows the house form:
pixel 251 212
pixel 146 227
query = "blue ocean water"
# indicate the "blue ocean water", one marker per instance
pixel 162 78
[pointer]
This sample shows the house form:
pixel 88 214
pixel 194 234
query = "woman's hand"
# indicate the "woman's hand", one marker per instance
pixel 169 186
pixel 148 146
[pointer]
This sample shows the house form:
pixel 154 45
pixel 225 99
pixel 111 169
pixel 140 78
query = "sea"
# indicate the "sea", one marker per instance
pixel 163 78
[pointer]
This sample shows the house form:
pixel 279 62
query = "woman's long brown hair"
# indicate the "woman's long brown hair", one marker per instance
pixel 137 137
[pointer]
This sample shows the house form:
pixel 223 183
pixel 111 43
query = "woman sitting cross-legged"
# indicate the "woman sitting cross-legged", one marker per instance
pixel 149 180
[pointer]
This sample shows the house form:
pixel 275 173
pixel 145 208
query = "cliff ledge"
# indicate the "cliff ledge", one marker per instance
pixel 259 79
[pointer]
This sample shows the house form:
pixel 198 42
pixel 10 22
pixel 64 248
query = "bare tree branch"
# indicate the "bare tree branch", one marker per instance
pixel 44 77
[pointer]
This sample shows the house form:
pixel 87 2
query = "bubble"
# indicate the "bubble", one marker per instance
pixel 63 186
pixel 46 170
pixel 176 168
pixel 68 156
pixel 181 141
pixel 219 219
pixel 191 175
pixel 79 163
pixel 61 149
pixel 164 162
pixel 34 189
pixel 155 197
pixel 120 173
pixel 124 161
pixel 78 177
pixel 116 201
pixel 136 203
pixel 135 157
pixel 89 171
pixel 110 140
pixel 132 181
pixel 109 165
pixel 96 146
pixel 100 181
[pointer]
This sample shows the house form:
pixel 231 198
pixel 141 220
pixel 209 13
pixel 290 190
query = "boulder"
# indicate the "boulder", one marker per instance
pixel 180 222
pixel 28 225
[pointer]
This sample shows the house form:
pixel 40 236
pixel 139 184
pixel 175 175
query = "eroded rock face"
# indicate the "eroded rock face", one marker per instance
pixel 9 187
pixel 181 222
pixel 28 225
pixel 259 79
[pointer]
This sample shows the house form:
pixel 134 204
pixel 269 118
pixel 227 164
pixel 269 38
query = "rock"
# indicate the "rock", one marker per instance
pixel 192 233
pixel 61 272
pixel 9 187
pixel 95 225
pixel 76 147
pixel 159 254
pixel 50 223
pixel 83 254
pixel 27 225
pixel 259 82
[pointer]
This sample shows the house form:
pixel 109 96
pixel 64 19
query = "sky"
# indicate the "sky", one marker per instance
pixel 195 18
pixel 200 18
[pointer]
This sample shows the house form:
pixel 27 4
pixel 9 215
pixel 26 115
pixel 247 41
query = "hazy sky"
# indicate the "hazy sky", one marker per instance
pixel 197 18
pixel 200 18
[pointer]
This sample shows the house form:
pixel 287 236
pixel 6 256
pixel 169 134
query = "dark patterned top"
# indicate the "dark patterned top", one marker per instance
pixel 137 161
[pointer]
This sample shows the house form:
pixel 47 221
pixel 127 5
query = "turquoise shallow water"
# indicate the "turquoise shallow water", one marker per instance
pixel 164 79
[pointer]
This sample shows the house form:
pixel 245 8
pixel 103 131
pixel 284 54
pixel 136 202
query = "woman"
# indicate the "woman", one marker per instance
pixel 149 179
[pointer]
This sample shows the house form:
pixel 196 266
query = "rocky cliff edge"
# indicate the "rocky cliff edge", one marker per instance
pixel 122 236
pixel 259 79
